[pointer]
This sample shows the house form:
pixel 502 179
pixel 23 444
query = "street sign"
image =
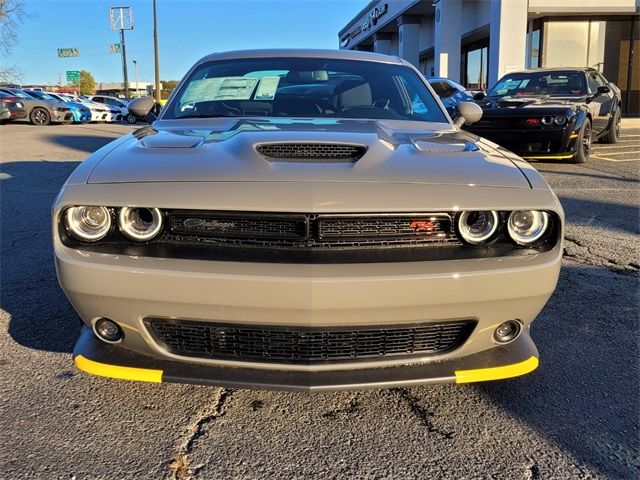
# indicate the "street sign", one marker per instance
pixel 115 48
pixel 121 18
pixel 73 76
pixel 68 52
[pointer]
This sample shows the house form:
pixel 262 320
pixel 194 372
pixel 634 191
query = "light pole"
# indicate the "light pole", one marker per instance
pixel 155 50
pixel 135 67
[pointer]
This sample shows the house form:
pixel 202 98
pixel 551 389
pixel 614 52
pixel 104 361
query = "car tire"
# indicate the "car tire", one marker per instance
pixel 584 146
pixel 613 134
pixel 4 122
pixel 40 116
pixel 130 119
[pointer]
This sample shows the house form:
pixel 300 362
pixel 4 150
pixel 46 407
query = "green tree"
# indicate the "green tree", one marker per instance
pixel 167 87
pixel 87 83
pixel 12 13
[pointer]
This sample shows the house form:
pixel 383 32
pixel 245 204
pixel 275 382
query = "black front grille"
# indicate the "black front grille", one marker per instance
pixel 310 232
pixel 306 345
pixel 311 152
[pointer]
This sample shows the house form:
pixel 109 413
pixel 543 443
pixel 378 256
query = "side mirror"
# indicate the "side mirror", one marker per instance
pixel 468 112
pixel 144 107
pixel 479 95
pixel 603 89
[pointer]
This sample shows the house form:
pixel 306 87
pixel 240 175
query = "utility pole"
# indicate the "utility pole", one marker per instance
pixel 155 50
pixel 124 65
pixel 135 66
pixel 122 19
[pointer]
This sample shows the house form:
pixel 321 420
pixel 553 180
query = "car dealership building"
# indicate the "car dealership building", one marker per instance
pixel 475 42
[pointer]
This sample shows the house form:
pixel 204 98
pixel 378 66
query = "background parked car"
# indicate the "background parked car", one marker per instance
pixel 552 113
pixel 115 104
pixel 11 108
pixel 42 112
pixel 450 93
pixel 99 112
pixel 81 114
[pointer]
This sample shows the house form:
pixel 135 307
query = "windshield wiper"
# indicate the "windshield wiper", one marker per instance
pixel 204 115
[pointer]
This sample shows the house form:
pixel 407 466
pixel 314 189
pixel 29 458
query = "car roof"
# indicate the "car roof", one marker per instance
pixel 303 53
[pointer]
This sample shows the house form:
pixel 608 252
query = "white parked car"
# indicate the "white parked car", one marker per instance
pixel 115 104
pixel 99 112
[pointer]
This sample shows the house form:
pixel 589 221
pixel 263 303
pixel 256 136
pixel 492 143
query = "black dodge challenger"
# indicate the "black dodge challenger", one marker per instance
pixel 548 114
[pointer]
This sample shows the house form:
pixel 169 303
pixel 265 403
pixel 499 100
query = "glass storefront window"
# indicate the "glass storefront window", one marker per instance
pixel 476 69
pixel 601 44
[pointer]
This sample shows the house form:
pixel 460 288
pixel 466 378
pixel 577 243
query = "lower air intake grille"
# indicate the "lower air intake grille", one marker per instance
pixel 311 152
pixel 305 345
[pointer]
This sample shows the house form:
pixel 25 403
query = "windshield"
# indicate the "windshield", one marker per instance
pixel 21 94
pixel 42 96
pixel 304 87
pixel 558 83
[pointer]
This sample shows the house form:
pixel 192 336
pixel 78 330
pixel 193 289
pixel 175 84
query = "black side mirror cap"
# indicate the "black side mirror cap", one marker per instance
pixel 603 89
pixel 144 107
pixel 479 95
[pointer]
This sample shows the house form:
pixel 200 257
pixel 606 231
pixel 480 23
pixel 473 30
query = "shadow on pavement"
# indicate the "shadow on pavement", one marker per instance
pixel 41 316
pixel 83 143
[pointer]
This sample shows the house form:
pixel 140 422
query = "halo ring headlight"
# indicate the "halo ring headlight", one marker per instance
pixel 140 224
pixel 88 223
pixel 560 120
pixel 527 226
pixel 477 227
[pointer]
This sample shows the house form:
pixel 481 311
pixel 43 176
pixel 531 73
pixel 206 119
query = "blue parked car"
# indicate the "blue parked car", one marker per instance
pixel 450 93
pixel 81 114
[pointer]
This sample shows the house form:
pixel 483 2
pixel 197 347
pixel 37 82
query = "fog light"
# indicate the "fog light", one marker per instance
pixel 507 332
pixel 107 330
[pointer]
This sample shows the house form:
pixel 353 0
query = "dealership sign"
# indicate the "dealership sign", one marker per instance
pixel 68 52
pixel 369 21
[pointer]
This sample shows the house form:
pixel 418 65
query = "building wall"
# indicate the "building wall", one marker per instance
pixel 579 33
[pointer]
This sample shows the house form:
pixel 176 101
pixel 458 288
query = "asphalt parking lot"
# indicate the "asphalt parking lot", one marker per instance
pixel 574 417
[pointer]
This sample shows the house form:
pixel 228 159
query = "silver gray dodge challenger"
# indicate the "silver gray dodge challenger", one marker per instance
pixel 306 220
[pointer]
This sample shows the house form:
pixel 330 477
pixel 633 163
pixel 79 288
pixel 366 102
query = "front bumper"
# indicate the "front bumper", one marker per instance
pixel 98 358
pixel 558 144
pixel 129 289
pixel 62 116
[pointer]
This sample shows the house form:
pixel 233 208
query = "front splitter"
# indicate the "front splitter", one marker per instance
pixel 98 358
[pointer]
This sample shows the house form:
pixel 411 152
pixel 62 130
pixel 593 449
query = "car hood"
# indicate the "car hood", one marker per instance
pixel 225 150
pixel 528 104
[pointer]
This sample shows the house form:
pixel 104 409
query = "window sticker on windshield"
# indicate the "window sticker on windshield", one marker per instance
pixel 221 88
pixel 267 88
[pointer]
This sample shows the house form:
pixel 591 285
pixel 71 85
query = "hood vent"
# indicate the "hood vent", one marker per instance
pixel 311 152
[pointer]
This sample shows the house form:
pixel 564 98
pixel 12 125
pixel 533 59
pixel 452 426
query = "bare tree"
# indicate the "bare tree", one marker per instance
pixel 11 14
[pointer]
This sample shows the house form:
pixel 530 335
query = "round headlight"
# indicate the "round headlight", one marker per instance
pixel 560 120
pixel 88 223
pixel 140 224
pixel 547 120
pixel 527 226
pixel 478 227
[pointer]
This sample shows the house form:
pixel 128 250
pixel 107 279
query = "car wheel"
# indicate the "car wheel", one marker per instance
pixel 613 135
pixel 4 122
pixel 130 119
pixel 40 116
pixel 584 147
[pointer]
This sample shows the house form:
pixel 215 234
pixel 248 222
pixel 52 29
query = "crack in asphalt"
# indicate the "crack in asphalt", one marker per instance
pixel 421 412
pixel 180 467
pixel 612 265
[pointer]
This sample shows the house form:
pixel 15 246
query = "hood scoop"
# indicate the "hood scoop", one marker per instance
pixel 311 152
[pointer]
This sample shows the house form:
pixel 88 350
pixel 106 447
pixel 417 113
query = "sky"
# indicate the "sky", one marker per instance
pixel 187 31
